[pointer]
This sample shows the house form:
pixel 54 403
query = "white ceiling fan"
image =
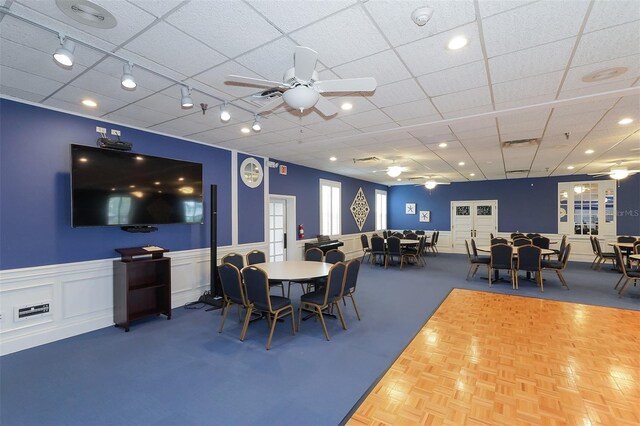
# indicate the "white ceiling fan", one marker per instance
pixel 617 172
pixel 430 182
pixel 301 87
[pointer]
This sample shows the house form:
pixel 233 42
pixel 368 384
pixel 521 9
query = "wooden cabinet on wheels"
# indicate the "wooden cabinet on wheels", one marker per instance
pixel 141 285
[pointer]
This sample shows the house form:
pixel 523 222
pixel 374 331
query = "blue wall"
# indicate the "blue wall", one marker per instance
pixel 304 183
pixel 250 208
pixel 523 204
pixel 35 202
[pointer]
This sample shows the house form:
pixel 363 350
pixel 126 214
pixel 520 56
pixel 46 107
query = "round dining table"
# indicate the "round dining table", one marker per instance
pixel 295 270
pixel 404 242
pixel 544 252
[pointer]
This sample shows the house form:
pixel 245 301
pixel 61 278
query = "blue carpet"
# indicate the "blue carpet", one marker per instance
pixel 182 372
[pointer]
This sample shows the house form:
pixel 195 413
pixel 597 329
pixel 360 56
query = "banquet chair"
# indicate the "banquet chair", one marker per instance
pixel 515 235
pixel 529 260
pixel 501 258
pixel 559 265
pixel 366 250
pixel 334 256
pixel 626 239
pixel 430 245
pixel 350 281
pixel 233 293
pixel 411 236
pixel 540 241
pixel 320 300
pixel 595 251
pixel 378 252
pixel 256 256
pixel 519 242
pixel 626 275
pixel 415 252
pixel 435 243
pixel 397 235
pixel 498 240
pixel 420 232
pixel 235 259
pixel 385 234
pixel 474 251
pixel 314 254
pixel 603 256
pixel 393 250
pixel 563 243
pixel 257 285
pixel 532 235
pixel 474 261
pixel 636 250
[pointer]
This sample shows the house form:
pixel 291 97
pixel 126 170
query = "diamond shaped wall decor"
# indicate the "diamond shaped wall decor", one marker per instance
pixel 360 209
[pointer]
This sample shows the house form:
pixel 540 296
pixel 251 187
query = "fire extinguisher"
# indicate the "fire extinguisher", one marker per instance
pixel 301 231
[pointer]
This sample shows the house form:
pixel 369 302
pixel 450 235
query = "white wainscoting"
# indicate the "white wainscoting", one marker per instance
pixel 81 295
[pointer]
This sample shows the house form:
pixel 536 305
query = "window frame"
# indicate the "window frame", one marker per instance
pixel 333 185
pixel 605 194
pixel 379 225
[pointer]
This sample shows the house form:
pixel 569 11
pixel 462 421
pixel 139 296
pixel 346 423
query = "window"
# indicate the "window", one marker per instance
pixel 381 209
pixel 330 206
pixel 587 208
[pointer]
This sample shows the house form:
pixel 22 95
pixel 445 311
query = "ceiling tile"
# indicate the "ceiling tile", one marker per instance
pixel 216 78
pixel 142 114
pixel 368 118
pixel 75 95
pixel 526 63
pixel 468 76
pixel 330 126
pixel 467 112
pixel 298 15
pixel 431 54
pixel 217 24
pixel 176 50
pixel 20 93
pixel 598 88
pixel 609 13
pixel 180 127
pixel 394 18
pixel 114 67
pixel 156 7
pixel 538 23
pixel 385 67
pixel 397 93
pixel 271 60
pixel 575 75
pixel 527 87
pixel 463 100
pixel 523 122
pixel 493 7
pixel 97 82
pixel 327 37
pixel 422 108
pixel 12 77
pixel 607 44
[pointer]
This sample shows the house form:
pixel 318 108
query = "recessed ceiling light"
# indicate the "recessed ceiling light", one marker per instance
pixel 181 179
pixel 472 174
pixel 589 151
pixel 157 183
pixel 625 121
pixel 347 106
pixel 245 130
pixel 604 74
pixel 442 144
pixel 457 43
pixel 570 167
pixel 83 159
pixel 332 158
pixel 139 158
pixel 89 103
pixel 399 180
pixel 113 189
pixel 461 163
pixel 132 186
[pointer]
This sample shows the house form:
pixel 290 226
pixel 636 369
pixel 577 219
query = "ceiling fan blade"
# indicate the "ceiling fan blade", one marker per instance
pixel 363 84
pixel 325 107
pixel 255 81
pixel 273 104
pixel 304 63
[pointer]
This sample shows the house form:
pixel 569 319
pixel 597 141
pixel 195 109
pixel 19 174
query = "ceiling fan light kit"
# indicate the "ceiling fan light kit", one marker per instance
pixel 301 97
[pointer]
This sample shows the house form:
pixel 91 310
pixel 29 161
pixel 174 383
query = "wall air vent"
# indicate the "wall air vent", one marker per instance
pixel 366 160
pixel 520 143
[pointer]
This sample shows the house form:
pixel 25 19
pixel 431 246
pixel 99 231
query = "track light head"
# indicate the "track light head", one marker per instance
pixel 186 100
pixel 224 113
pixel 256 124
pixel 64 54
pixel 128 81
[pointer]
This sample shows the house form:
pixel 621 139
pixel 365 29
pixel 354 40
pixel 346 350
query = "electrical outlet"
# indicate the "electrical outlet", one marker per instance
pixel 101 130
pixel 115 132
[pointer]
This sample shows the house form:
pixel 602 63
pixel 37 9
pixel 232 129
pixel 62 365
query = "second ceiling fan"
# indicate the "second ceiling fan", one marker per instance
pixel 301 87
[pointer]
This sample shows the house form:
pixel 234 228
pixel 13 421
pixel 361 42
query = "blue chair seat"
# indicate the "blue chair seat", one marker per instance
pixel 633 274
pixel 553 264
pixel 483 260
pixel 277 302
pixel 315 297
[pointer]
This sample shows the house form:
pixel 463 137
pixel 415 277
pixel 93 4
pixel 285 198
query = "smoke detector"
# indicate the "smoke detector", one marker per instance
pixel 422 15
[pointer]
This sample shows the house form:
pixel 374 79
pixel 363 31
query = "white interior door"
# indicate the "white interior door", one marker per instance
pixel 473 219
pixel 277 230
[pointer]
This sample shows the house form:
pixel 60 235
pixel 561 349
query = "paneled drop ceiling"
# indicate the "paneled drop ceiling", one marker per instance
pixel 519 77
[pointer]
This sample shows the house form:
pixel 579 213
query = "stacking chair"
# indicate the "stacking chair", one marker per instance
pixel 626 239
pixel 532 235
pixel 626 275
pixel 542 242
pixel 475 261
pixel 474 250
pixel 420 232
pixel 314 254
pixel 435 243
pixel 233 293
pixel 636 250
pixel 235 259
pixel 385 234
pixel 256 256
pixel 257 285
pixel 603 256
pixel 498 240
pixel 501 258
pixel 415 253
pixel 393 250
pixel 515 235
pixel 595 251
pixel 397 235
pixel 529 260
pixel 563 243
pixel 431 245
pixel 519 242
pixel 366 250
pixel 559 265
pixel 334 256
pixel 411 236
pixel 350 281
pixel 378 252
pixel 320 300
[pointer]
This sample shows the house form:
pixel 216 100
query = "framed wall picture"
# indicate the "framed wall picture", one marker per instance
pixel 425 216
pixel 410 208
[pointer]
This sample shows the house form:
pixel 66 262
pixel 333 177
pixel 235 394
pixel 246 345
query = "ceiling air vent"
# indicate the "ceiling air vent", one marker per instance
pixel 520 142
pixel 365 160
pixel 515 172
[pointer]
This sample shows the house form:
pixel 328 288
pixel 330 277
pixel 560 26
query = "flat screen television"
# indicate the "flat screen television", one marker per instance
pixel 118 188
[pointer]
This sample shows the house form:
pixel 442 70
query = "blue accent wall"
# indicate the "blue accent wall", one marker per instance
pixel 304 183
pixel 250 207
pixel 523 204
pixel 35 214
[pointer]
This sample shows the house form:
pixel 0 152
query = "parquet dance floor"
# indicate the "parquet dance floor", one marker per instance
pixel 486 359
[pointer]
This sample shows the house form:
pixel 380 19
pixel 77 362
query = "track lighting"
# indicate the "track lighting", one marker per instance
pixel 186 100
pixel 256 124
pixel 224 113
pixel 64 54
pixel 128 81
